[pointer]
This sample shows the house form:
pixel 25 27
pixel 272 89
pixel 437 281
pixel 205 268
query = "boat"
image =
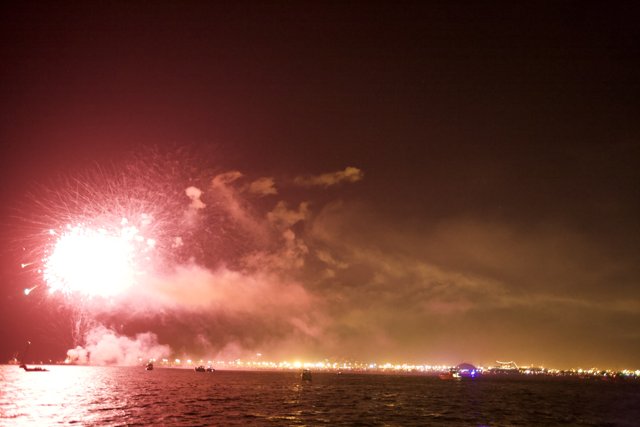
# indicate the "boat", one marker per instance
pixel 34 369
pixel 451 375
pixel 24 366
pixel 200 369
pixel 210 369
pixel 467 370
pixel 149 367
pixel 306 375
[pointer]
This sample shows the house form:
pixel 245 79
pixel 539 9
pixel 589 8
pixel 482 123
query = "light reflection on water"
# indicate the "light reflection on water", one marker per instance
pixel 66 394
pixel 176 397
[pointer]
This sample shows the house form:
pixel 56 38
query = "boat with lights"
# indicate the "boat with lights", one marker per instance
pixel 451 375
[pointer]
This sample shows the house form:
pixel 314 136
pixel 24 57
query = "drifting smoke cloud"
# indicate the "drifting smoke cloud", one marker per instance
pixel 263 187
pixel 289 277
pixel 350 174
pixel 105 347
pixel 228 199
pixel 205 306
pixel 194 194
pixel 196 288
pixel 282 217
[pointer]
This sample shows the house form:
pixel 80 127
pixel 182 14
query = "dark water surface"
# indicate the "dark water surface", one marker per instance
pixel 180 397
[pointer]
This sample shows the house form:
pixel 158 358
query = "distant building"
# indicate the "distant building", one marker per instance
pixel 505 368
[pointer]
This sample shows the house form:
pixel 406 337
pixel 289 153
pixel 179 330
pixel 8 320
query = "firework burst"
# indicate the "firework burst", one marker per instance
pixel 117 246
pixel 97 261
pixel 99 233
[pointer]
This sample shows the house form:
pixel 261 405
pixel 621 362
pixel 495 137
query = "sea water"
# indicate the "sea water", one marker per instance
pixel 182 397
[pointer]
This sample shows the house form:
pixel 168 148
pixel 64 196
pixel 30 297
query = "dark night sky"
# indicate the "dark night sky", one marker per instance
pixel 498 216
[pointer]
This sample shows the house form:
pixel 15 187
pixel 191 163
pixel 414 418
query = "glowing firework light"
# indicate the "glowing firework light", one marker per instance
pixel 122 246
pixel 98 233
pixel 97 261
pixel 91 238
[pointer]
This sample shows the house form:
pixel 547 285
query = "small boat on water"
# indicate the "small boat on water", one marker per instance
pixel 451 375
pixel 462 371
pixel 24 366
pixel 34 369
pixel 149 367
pixel 305 375
pixel 201 368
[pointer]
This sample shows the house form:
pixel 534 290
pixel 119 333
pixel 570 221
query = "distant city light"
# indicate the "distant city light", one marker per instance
pixel 461 371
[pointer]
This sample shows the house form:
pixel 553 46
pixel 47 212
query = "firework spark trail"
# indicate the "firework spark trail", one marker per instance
pixel 27 291
pixel 95 235
pixel 155 187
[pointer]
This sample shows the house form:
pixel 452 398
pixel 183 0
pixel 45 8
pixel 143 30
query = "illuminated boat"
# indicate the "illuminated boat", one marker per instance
pixel 451 375
pixel 467 370
pixel 463 370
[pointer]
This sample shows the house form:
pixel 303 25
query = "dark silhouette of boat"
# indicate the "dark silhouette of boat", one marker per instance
pixel 149 367
pixel 24 366
pixel 201 368
pixel 34 369
pixel 306 375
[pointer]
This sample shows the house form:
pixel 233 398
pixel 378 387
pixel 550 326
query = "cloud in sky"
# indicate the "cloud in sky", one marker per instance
pixel 264 186
pixel 194 194
pixel 228 198
pixel 349 175
pixel 466 286
pixel 283 217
